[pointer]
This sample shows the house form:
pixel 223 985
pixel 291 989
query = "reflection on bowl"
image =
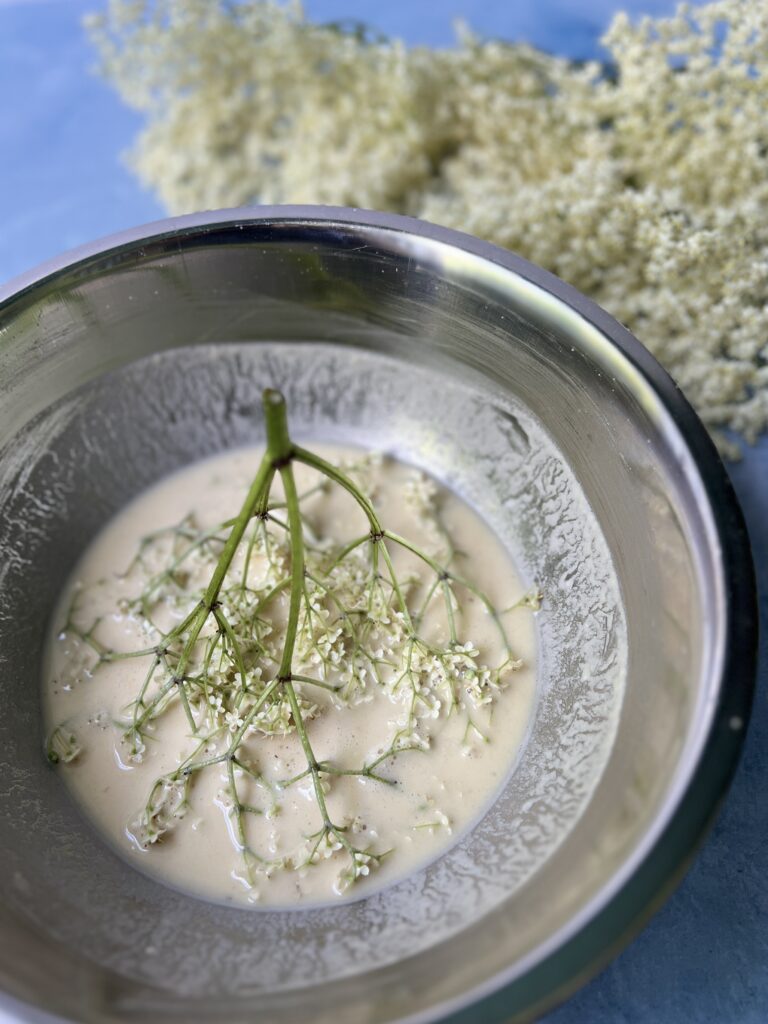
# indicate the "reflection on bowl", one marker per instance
pixel 140 354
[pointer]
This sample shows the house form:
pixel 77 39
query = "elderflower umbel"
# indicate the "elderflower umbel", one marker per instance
pixel 358 638
pixel 644 187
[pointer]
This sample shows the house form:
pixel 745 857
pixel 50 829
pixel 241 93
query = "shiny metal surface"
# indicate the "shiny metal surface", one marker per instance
pixel 507 362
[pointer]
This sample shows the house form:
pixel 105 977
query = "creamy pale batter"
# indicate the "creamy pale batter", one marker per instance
pixel 431 736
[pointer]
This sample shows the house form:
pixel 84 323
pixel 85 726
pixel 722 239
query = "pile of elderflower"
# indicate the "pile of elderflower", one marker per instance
pixel 641 182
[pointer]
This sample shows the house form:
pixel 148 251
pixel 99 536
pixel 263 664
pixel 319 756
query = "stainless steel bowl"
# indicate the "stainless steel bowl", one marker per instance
pixel 129 357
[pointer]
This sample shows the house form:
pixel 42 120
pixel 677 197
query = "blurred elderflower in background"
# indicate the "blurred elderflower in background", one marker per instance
pixel 643 182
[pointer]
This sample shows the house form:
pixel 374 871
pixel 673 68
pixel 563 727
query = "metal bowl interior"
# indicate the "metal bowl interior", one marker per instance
pixel 142 353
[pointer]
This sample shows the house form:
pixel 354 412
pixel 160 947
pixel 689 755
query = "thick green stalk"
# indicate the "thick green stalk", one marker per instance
pixel 256 501
pixel 279 444
pixel 297 570
pixel 255 495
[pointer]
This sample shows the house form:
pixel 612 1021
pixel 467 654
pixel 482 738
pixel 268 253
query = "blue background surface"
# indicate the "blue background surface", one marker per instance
pixel 704 957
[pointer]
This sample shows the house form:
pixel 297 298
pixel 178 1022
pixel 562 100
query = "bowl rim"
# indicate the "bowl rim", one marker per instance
pixel 607 925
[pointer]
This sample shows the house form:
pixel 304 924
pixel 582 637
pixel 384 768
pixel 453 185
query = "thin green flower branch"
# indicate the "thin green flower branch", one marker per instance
pixel 223 651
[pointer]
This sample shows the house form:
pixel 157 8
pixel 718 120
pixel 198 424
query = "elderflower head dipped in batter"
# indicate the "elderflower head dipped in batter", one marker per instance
pixel 325 687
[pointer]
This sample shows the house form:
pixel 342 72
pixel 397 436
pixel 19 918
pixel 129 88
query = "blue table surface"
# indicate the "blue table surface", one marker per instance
pixel 704 956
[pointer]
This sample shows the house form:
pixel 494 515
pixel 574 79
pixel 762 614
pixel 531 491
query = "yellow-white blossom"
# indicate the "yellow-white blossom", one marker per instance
pixel 644 185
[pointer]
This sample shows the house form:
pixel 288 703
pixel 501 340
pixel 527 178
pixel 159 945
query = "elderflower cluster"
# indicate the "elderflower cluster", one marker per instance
pixel 641 182
pixel 354 639
pixel 378 617
pixel 359 865
pixel 62 746
pixel 166 806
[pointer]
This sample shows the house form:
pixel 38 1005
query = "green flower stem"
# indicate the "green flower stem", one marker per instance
pixel 445 577
pixel 315 682
pixel 277 589
pixel 297 572
pixel 377 532
pixel 448 598
pixel 258 495
pixel 122 656
pixel 329 470
pixel 255 494
pixel 279 445
pixel 348 550
pixel 296 534
pixel 209 535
